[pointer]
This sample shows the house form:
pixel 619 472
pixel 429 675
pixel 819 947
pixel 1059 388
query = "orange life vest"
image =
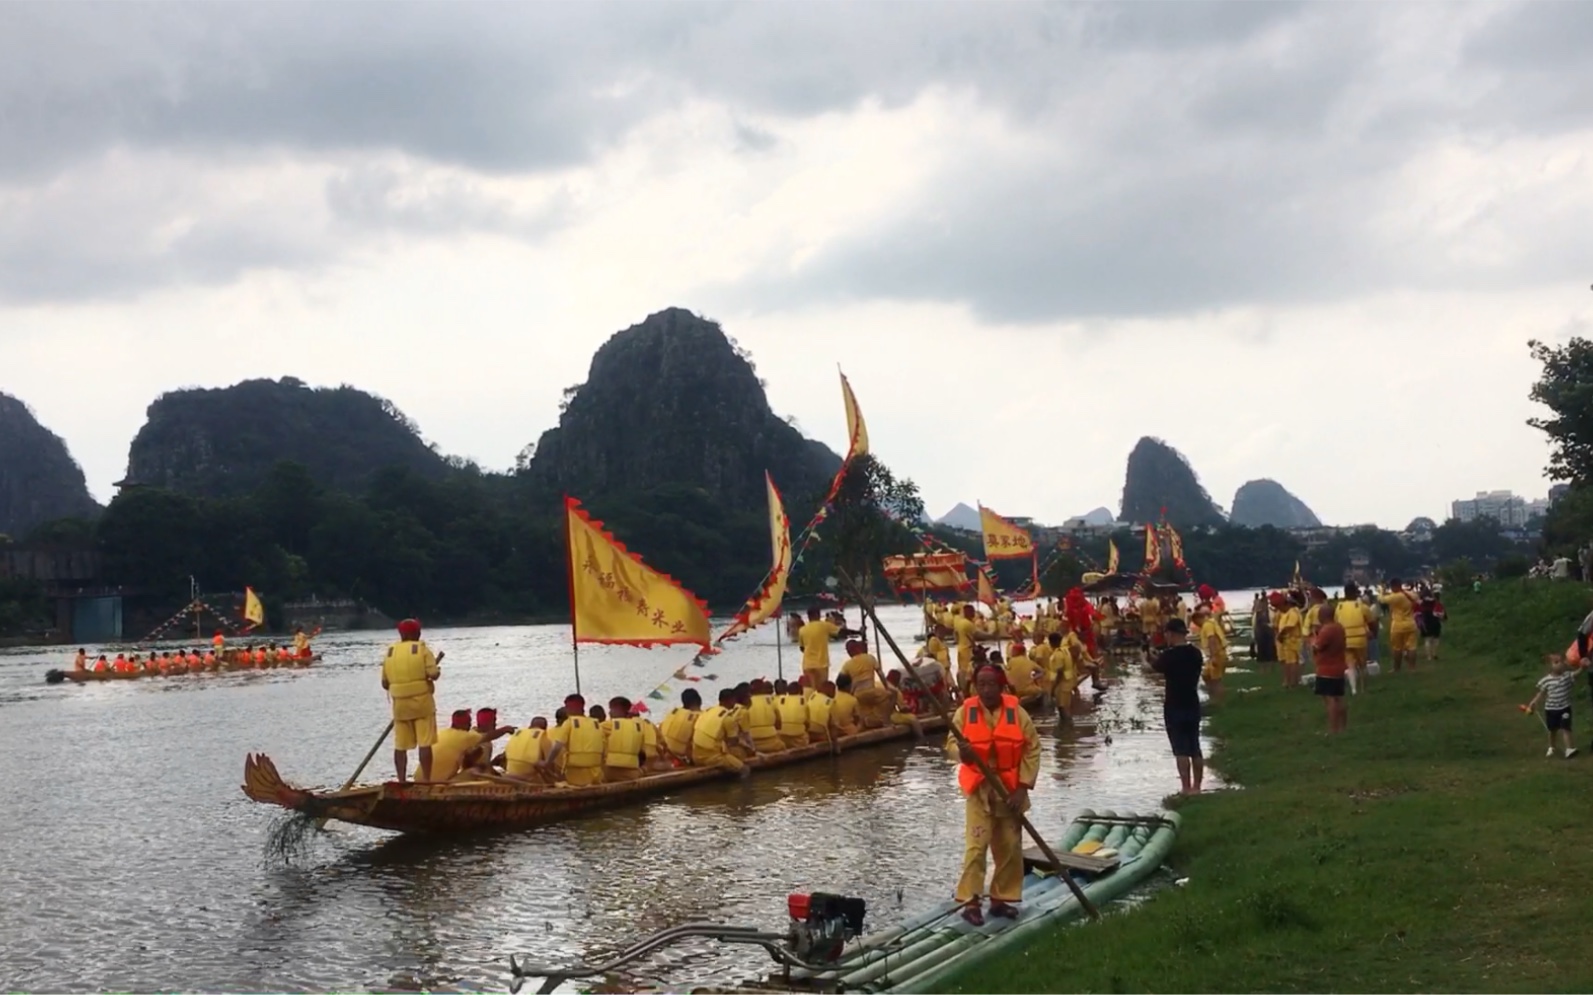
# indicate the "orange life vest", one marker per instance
pixel 101 665
pixel 259 657
pixel 1002 747
pixel 218 640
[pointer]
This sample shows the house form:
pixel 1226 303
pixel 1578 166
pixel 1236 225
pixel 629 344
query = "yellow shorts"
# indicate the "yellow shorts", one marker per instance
pixel 410 733
pixel 1355 656
pixel 793 742
pixel 1402 640
pixel 1214 669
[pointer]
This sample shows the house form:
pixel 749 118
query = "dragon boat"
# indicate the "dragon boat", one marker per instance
pixel 470 805
pixel 96 676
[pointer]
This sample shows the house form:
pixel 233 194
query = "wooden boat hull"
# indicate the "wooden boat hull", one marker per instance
pixel 97 676
pixel 468 806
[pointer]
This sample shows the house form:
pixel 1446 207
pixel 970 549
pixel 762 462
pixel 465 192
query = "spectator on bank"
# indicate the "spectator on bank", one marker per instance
pixel 1181 664
pixel 1328 654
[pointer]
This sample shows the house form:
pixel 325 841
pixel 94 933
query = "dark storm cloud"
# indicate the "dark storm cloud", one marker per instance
pixel 1192 155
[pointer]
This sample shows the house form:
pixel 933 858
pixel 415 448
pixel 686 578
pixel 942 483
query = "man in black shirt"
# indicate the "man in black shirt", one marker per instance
pixel 1181 664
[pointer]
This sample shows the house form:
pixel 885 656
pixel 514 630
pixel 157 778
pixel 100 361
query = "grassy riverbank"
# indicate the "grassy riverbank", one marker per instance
pixel 1433 847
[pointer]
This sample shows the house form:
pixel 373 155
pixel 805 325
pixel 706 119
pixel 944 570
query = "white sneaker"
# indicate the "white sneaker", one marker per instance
pixel 1550 753
pixel 1570 753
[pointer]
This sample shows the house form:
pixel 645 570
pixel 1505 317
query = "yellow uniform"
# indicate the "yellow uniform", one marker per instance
pixel 524 751
pixel 624 748
pixel 1288 627
pixel 814 638
pixel 843 712
pixel 1352 615
pixel 875 702
pixel 935 647
pixel 582 739
pixel 1020 675
pixel 820 718
pixel 793 712
pixel 762 726
pixel 408 672
pixel 712 735
pixel 1214 643
pixel 1401 621
pixel 966 632
pixel 453 752
pixel 988 822
pixel 677 730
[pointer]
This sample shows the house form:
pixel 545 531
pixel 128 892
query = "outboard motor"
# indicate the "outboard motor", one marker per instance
pixel 821 924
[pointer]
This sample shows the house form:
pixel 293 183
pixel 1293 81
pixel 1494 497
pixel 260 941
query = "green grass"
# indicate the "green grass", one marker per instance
pixel 1430 848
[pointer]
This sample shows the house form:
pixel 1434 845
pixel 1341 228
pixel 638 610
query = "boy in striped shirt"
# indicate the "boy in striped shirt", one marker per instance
pixel 1554 690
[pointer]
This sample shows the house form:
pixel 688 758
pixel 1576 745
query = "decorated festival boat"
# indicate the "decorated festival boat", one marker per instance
pixel 474 805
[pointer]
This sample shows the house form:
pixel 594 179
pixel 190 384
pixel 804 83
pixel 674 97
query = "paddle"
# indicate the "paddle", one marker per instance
pixel 991 777
pixel 321 822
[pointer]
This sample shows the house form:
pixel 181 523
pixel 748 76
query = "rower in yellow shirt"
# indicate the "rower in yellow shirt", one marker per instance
pixel 1290 629
pixel 1214 644
pixel 792 707
pixel 843 706
pixel 679 726
pixel 874 700
pixel 525 751
pixel 762 719
pixel 457 747
pixel 628 743
pixel 713 734
pixel 1021 673
pixel 578 740
pixel 1357 623
pixel 821 720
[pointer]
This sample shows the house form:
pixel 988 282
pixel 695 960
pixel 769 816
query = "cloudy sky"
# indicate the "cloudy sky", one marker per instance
pixel 1299 241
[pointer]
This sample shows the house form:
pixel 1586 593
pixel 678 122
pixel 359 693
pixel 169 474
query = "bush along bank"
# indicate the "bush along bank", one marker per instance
pixel 1432 847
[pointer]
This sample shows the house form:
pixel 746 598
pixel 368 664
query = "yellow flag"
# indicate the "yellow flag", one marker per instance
pixel 856 431
pixel 1111 557
pixel 1153 549
pixel 616 598
pixel 987 592
pixel 253 610
pixel 1003 540
pixel 765 604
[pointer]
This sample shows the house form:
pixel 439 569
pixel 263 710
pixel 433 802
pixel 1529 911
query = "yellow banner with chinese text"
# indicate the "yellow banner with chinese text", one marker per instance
pixel 1003 540
pixel 616 598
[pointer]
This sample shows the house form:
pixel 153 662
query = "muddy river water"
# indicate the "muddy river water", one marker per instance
pixel 133 862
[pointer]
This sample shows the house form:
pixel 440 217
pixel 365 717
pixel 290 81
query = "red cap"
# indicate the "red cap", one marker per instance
pixel 409 629
pixel 486 717
pixel 638 707
pixel 461 719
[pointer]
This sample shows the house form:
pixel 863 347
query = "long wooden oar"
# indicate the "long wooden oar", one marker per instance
pixel 321 822
pixel 991 777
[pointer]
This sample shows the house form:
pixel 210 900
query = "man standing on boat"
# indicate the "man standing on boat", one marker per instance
pixel 409 676
pixel 814 638
pixel 998 730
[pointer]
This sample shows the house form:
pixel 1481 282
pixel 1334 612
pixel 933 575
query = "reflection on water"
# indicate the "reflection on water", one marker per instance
pixel 133 861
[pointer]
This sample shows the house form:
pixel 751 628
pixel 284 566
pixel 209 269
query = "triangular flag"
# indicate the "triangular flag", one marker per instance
pixel 253 610
pixel 856 431
pixel 765 604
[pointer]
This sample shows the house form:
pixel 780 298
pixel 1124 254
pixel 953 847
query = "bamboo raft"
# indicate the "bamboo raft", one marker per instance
pixel 924 952
pixel 472 805
pixel 97 676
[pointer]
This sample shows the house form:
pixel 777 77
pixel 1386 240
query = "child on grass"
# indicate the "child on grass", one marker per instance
pixel 1554 690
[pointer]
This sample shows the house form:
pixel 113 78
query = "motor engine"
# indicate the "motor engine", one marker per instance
pixel 821 924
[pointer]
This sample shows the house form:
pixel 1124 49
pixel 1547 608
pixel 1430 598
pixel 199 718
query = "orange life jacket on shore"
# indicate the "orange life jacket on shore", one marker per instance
pixel 1001 747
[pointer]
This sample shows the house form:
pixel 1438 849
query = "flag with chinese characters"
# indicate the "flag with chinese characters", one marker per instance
pixel 253 610
pixel 1175 546
pixel 932 571
pixel 616 598
pixel 765 604
pixel 856 431
pixel 1111 557
pixel 1003 540
pixel 1153 549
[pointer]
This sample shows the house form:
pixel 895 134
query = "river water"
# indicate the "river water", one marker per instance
pixel 133 862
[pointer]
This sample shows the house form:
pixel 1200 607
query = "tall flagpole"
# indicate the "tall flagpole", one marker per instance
pixel 569 580
pixel 779 659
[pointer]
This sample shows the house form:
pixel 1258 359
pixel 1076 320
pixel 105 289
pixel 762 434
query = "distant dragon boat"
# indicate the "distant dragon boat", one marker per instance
pixel 472 805
pixel 95 676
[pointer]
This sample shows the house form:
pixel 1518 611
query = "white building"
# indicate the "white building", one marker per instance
pixel 1504 507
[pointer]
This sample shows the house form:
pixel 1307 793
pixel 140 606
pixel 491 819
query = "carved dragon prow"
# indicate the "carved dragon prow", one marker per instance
pixel 262 783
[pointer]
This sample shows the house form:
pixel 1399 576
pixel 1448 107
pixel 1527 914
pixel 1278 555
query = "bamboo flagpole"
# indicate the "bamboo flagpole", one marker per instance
pixel 991 777
pixel 569 581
